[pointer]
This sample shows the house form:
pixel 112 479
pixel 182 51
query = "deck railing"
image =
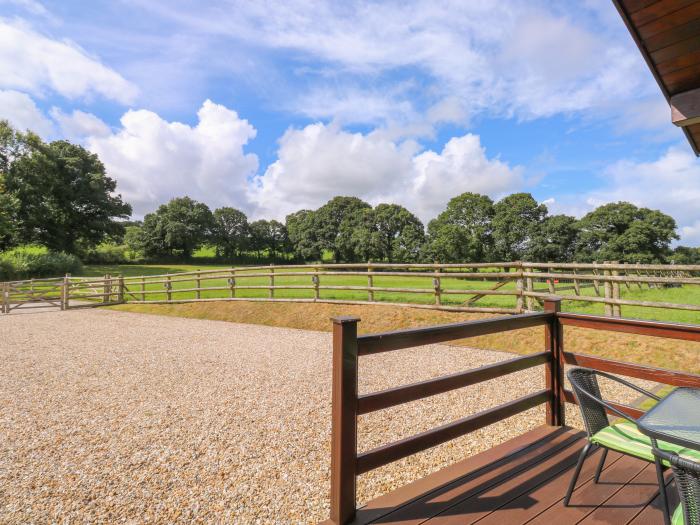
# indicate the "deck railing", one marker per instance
pixel 347 464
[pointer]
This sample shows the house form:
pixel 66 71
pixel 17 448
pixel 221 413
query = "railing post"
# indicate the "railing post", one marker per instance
pixel 198 280
pixel 344 420
pixel 169 288
pixel 143 288
pixel 554 370
pixel 106 289
pixel 315 280
pixel 271 293
pixel 607 286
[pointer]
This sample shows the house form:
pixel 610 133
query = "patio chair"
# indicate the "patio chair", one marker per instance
pixel 623 437
pixel 687 474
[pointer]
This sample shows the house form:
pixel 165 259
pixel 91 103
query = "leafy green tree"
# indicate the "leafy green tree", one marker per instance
pixel 134 239
pixel 177 228
pixel 621 231
pixel 9 226
pixel 301 228
pixel 268 235
pixel 685 255
pixel 327 221
pixel 463 232
pixel 515 222
pixel 64 197
pixel 229 232
pixel 388 232
pixel 553 240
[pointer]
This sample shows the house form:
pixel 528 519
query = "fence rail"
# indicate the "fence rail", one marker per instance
pixel 513 287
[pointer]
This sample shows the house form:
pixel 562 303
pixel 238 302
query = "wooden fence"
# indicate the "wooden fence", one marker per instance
pixel 517 286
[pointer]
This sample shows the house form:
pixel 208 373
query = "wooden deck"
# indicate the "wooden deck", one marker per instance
pixel 524 481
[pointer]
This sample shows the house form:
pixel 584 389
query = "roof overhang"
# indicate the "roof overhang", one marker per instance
pixel 667 33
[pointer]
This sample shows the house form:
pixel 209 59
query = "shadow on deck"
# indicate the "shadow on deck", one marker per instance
pixel 524 481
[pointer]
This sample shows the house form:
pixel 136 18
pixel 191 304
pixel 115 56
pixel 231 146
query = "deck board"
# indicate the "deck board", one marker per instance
pixel 524 481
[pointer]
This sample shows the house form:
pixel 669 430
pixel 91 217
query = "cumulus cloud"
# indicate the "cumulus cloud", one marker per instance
pixel 21 111
pixel 670 183
pixel 154 160
pixel 317 162
pixel 34 63
pixel 78 125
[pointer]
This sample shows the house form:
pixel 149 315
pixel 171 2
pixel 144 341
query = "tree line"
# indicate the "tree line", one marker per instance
pixel 472 228
pixel 58 195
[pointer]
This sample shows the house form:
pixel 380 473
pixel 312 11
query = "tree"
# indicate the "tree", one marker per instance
pixel 388 232
pixel 177 228
pixel 463 232
pixel 301 229
pixel 230 232
pixel 515 222
pixel 327 221
pixel 64 197
pixel 623 232
pixel 554 240
pixel 685 255
pixel 134 240
pixel 269 235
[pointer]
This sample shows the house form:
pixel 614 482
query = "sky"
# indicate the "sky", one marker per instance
pixel 276 106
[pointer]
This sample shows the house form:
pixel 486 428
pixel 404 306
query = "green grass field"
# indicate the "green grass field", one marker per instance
pixel 688 294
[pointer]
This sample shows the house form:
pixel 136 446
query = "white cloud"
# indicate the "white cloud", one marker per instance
pixel 34 63
pixel 78 125
pixel 671 183
pixel 154 160
pixel 317 162
pixel 21 111
pixel 512 58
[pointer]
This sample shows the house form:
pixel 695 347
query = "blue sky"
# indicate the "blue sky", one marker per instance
pixel 276 106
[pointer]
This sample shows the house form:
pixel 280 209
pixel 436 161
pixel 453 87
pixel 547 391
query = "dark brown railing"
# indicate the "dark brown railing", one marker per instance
pixel 347 464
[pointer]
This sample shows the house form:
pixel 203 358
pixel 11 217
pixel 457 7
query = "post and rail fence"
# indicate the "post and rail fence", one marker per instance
pixel 512 288
pixel 347 404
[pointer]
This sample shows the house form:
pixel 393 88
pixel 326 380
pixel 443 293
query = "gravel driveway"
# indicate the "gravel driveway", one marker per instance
pixel 109 416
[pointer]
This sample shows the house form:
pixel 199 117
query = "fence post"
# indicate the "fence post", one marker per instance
pixel 530 288
pixel 519 288
pixel 65 292
pixel 6 298
pixel 143 288
pixel 370 282
pixel 554 370
pixel 316 281
pixel 607 285
pixel 232 283
pixel 120 289
pixel 106 289
pixel 271 292
pixel 550 281
pixel 436 286
pixel 169 288
pixel 577 286
pixel 344 420
pixel 198 281
pixel 596 282
pixel 616 309
pixel 639 274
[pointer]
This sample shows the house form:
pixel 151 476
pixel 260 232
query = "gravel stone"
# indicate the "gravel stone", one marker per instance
pixel 116 417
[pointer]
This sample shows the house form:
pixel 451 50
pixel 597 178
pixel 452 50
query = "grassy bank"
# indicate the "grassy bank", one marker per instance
pixel 679 355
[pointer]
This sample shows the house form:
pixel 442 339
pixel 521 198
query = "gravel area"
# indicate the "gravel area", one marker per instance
pixel 116 417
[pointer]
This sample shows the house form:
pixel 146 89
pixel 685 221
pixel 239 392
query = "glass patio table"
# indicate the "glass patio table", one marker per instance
pixel 675 419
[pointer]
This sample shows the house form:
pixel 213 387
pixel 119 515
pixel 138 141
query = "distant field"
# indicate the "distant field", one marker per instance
pixel 688 294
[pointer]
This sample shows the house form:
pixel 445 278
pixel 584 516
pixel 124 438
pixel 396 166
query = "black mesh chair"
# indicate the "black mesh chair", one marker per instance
pixel 687 474
pixel 584 382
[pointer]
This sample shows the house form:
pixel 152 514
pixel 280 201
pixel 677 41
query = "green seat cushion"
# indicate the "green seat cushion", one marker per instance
pixel 625 437
pixel 678 518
